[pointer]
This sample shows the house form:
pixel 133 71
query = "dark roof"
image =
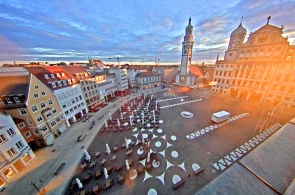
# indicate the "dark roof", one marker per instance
pixel 147 74
pixel 40 73
pixel 14 85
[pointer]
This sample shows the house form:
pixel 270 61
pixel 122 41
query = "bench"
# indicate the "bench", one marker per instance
pixel 81 137
pixel 59 168
pixel 178 184
pixel 199 171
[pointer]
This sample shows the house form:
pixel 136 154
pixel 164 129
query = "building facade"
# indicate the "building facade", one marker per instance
pixel 121 79
pixel 15 153
pixel 185 77
pixel 66 90
pixel 32 105
pixel 260 69
pixel 148 80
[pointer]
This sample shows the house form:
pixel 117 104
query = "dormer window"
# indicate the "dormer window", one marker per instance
pixel 62 74
pixel 73 81
pixel 8 100
pixel 59 83
pixel 53 85
pixel 52 76
pixel 46 76
pixel 85 74
pixel 16 99
pixel 69 81
pixel 64 82
pixel 58 75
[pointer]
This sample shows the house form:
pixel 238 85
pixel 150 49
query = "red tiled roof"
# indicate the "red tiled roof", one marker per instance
pixel 196 71
pixel 98 62
pixel 40 72
pixel 78 72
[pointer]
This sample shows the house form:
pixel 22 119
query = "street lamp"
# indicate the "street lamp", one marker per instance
pixel 34 184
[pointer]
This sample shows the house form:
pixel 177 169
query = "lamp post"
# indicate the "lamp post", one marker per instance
pixel 34 184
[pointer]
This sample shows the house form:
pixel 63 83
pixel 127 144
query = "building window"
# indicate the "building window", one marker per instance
pixel 34 108
pixel 36 95
pixel 64 82
pixel 8 100
pixel 52 76
pixel 11 132
pixel 53 85
pixel 50 102
pixel 36 132
pixel 48 114
pixel 16 99
pixel 28 134
pixel 22 111
pixel 30 122
pixel 21 125
pixel 57 119
pixel 59 83
pixel 19 145
pixel 44 128
pixel 2 138
pixel 69 81
pixel 57 74
pixel 46 76
pixel 53 123
pixel 43 93
pixel 36 87
pixel 11 152
pixel 53 110
pixel 43 105
pixel 62 74
pixel 39 118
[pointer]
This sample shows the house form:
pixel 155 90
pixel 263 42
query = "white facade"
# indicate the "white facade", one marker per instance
pixel 106 87
pixel 15 152
pixel 71 102
pixel 121 78
pixel 131 77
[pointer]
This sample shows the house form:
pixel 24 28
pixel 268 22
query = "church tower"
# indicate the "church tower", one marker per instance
pixel 185 77
pixel 187 49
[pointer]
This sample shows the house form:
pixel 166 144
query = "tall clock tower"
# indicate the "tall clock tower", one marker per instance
pixel 187 48
pixel 185 77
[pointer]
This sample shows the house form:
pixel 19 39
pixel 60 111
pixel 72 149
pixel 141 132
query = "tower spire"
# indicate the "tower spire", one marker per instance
pixel 242 19
pixel 217 57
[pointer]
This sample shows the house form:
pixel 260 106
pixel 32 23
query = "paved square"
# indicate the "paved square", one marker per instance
pixel 179 143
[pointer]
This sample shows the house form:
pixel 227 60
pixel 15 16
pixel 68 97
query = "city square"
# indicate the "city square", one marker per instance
pixel 176 152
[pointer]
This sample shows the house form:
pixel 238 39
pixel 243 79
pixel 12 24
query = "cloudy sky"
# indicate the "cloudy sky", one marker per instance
pixel 136 30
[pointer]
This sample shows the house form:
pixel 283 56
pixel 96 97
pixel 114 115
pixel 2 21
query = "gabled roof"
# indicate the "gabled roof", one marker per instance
pixel 52 74
pixel 77 72
pixel 268 27
pixel 147 74
pixel 196 71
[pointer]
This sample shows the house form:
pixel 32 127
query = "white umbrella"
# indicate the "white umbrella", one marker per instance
pixel 87 156
pixel 106 124
pixel 80 185
pixel 148 157
pixel 121 116
pixel 142 117
pixel 130 120
pixel 154 116
pixel 127 165
pixel 108 149
pixel 126 143
pixel 106 173
pixel 142 139
pixel 118 121
pixel 110 116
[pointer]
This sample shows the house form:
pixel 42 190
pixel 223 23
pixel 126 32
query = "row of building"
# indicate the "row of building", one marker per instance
pixel 38 103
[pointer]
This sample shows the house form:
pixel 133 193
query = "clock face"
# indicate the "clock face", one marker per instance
pixel 185 51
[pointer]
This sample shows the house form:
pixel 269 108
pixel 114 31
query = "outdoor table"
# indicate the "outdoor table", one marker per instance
pixel 103 161
pixel 123 146
pixel 87 178
pixel 118 168
pixel 141 147
pixel 121 178
pixel 97 154
pixel 108 184
pixel 130 162
pixel 98 174
pixel 114 158
pixel 128 152
pixel 115 130
pixel 115 149
pixel 83 165
pixel 92 164
pixel 109 169
pixel 95 189
pixel 140 169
